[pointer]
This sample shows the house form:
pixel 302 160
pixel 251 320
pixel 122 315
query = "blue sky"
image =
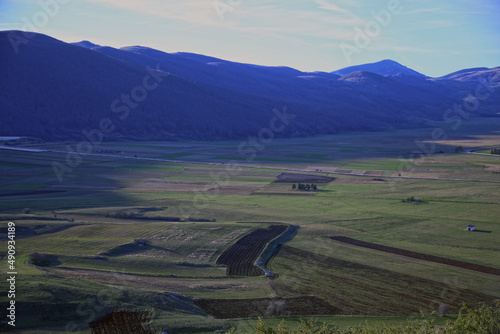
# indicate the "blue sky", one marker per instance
pixel 434 37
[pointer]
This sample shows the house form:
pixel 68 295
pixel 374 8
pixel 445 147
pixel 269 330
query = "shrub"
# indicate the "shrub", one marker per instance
pixel 38 259
pixel 480 320
pixel 141 242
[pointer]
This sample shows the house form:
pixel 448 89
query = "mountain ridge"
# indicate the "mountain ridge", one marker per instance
pixel 59 91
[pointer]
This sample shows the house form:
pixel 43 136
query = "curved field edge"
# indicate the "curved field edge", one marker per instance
pixel 273 248
pixel 416 255
pixel 241 256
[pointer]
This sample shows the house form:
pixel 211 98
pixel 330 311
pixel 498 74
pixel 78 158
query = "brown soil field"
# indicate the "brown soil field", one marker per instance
pixel 421 256
pixel 303 178
pixel 241 256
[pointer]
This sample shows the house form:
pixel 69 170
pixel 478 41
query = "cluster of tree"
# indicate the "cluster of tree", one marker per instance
pixel 408 199
pixel 43 260
pixel 304 186
pixel 484 319
pixel 38 259
pixel 495 151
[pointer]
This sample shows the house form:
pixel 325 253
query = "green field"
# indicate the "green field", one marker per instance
pixel 133 230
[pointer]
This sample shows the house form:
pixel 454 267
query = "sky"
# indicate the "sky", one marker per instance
pixel 434 37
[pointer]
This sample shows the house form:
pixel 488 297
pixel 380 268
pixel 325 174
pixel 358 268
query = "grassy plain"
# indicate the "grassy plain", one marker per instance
pixel 190 212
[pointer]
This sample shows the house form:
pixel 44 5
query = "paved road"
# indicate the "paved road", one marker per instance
pixel 473 151
pixel 280 168
pixel 23 149
pixel 277 168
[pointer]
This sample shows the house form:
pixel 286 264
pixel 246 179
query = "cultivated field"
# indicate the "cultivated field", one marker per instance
pixel 175 228
pixel 426 257
pixel 241 257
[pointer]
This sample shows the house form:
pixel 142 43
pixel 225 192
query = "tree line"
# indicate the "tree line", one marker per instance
pixel 304 186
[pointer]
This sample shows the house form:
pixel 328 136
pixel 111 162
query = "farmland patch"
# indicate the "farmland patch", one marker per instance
pixel 420 256
pixel 265 307
pixel 355 288
pixel 241 256
pixel 303 178
pixel 205 253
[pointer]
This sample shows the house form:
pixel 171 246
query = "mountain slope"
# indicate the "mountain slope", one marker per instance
pixel 480 74
pixel 54 90
pixel 385 67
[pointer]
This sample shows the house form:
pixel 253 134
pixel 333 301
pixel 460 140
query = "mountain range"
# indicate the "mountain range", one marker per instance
pixel 58 91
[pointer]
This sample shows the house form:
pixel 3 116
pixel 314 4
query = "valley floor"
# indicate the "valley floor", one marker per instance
pixel 141 226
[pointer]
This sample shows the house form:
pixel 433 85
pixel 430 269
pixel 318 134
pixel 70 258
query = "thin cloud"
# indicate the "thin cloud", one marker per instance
pixel 324 4
pixel 192 11
pixel 271 18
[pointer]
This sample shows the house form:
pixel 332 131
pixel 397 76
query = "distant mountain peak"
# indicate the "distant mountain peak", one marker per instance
pixel 386 67
pixel 86 44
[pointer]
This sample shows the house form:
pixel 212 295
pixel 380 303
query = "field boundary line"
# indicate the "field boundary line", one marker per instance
pixel 420 256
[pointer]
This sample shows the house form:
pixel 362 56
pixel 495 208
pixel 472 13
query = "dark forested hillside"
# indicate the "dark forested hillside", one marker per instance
pixel 54 90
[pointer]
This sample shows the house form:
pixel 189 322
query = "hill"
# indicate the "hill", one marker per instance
pixel 385 67
pixel 56 91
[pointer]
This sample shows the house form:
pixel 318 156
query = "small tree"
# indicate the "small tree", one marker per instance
pixel 294 186
pixel 38 259
pixel 26 211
